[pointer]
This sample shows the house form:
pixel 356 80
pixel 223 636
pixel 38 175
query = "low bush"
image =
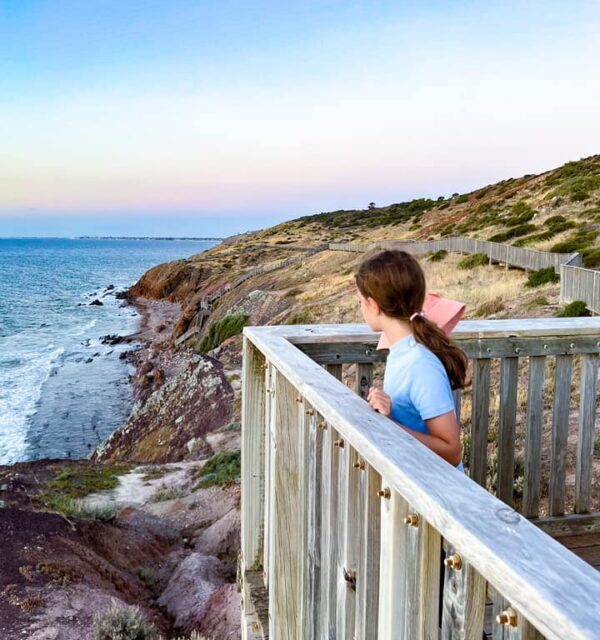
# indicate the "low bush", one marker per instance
pixel 167 493
pixel 542 276
pixel 220 330
pixel 222 469
pixel 474 260
pixel 438 256
pixel 574 309
pixel 123 623
pixel 513 232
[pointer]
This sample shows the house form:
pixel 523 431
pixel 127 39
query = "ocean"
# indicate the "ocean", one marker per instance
pixel 62 391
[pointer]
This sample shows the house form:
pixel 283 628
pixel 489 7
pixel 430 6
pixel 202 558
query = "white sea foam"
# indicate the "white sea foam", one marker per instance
pixel 23 371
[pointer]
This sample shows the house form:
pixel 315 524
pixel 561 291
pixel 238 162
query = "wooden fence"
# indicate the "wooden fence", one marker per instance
pixel 344 516
pixel 514 256
pixel 577 283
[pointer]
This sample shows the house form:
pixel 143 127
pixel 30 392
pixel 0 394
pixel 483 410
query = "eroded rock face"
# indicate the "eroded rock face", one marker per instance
pixel 192 584
pixel 191 398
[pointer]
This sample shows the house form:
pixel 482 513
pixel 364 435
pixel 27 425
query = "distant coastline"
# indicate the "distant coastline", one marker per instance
pixel 142 238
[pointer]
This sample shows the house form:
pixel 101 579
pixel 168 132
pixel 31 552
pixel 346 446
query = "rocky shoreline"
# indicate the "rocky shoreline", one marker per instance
pixel 171 547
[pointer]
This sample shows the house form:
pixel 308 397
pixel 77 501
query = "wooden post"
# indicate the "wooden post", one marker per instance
pixel 253 447
pixel 428 590
pixel 479 420
pixel 585 442
pixel 464 602
pixel 509 377
pixel 284 584
pixel 533 443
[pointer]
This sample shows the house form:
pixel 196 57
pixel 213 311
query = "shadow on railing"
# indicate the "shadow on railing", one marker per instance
pixel 344 517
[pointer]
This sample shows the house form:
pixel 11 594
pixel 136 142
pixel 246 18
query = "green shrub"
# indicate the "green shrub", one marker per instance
pixel 104 512
pixel 438 256
pixel 123 623
pixel 224 468
pixel 463 198
pixel 220 330
pixel 591 258
pixel 513 232
pixel 542 276
pixel 472 261
pixel 75 481
pixel 576 242
pixel 574 309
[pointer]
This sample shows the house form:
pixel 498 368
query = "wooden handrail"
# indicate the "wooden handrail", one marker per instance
pixel 550 587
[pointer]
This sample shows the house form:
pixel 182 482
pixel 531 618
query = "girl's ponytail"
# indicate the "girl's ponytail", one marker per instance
pixel 395 280
pixel 452 357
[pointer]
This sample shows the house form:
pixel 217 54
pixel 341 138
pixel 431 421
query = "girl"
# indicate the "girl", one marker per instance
pixel 423 364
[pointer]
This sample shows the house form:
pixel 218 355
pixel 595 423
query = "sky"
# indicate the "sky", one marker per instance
pixel 211 117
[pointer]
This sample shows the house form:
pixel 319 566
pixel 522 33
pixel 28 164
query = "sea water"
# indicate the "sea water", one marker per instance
pixel 61 390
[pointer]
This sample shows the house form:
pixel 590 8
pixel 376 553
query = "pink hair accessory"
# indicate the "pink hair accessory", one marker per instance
pixel 441 311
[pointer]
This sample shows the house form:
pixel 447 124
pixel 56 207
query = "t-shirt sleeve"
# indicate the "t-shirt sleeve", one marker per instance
pixel 430 391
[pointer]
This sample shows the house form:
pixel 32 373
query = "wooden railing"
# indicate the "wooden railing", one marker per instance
pixel 577 283
pixel 507 254
pixel 344 516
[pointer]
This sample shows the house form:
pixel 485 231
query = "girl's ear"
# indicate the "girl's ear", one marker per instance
pixel 373 306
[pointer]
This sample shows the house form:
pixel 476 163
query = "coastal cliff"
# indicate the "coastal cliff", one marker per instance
pixel 180 510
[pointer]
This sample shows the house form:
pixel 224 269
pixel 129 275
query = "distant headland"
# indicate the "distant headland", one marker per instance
pixel 140 238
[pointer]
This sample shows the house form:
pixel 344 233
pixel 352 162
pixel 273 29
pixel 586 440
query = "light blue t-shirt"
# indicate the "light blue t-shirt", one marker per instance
pixel 417 382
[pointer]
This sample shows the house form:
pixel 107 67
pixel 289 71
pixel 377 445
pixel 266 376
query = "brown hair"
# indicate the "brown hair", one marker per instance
pixel 395 280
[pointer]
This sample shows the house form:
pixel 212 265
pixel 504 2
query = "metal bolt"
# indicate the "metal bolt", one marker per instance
pixel 310 412
pixel 266 365
pixel 339 444
pixel 359 464
pixel 412 520
pixel 572 345
pixel 298 398
pixel 454 562
pixel 385 493
pixel 508 617
pixel 517 350
pixel 545 346
pixel 322 426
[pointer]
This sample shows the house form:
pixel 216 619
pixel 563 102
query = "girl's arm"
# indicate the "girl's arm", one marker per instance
pixel 444 431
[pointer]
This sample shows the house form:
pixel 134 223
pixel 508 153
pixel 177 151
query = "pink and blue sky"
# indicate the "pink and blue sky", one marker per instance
pixel 209 117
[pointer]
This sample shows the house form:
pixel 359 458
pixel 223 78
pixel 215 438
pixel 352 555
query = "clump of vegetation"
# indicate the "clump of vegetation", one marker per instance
pixel 577 180
pixel 489 308
pixel 220 330
pixel 438 256
pixel 292 293
pixel 542 276
pixel 152 472
pixel 73 482
pixel 538 301
pixel 513 232
pixel 521 212
pixel 222 469
pixel 575 309
pixel 167 493
pixel 474 260
pixel 104 512
pixel 123 623
pixel 463 198
pixel 580 241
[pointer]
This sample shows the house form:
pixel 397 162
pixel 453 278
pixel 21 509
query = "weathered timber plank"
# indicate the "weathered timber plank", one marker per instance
pixel 364 379
pixel 509 378
pixel 253 449
pixel 315 481
pixel 428 590
pixel 567 525
pixel 479 421
pixel 392 580
pixel 269 472
pixel 464 602
pixel 306 417
pixel 329 536
pixel 349 536
pixel 367 583
pixel 412 571
pixel 335 370
pixel 560 432
pixel 585 442
pixel 284 587
pixel 533 444
pixel 480 348
pixel 255 600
